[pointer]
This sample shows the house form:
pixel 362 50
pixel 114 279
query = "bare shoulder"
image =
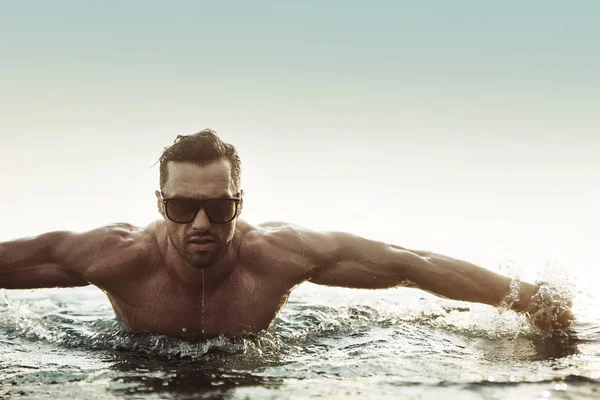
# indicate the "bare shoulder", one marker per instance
pixel 126 233
pixel 110 252
pixel 119 235
pixel 271 236
pixel 296 239
pixel 278 247
pixel 141 243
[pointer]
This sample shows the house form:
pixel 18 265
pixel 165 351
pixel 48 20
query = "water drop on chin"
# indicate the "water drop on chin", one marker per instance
pixel 184 329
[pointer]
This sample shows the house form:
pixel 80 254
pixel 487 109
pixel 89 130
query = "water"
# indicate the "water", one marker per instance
pixel 327 342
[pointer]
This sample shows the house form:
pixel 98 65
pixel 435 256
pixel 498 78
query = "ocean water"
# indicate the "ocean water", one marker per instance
pixel 327 343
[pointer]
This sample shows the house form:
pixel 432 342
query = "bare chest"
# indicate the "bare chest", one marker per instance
pixel 241 303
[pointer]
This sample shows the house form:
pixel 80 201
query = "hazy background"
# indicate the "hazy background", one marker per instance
pixel 465 127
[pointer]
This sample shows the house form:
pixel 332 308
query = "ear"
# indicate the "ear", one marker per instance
pixel 241 205
pixel 159 203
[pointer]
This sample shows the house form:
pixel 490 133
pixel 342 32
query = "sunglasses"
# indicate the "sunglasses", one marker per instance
pixel 183 211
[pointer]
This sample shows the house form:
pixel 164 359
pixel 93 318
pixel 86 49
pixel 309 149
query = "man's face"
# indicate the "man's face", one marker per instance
pixel 200 242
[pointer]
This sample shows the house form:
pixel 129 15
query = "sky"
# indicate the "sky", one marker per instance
pixel 467 128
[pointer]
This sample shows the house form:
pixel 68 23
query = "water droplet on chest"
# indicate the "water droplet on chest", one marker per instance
pixel 202 313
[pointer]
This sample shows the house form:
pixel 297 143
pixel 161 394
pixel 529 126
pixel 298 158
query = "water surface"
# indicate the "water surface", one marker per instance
pixel 327 342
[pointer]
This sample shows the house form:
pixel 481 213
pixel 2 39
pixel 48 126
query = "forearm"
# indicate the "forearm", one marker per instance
pixel 461 280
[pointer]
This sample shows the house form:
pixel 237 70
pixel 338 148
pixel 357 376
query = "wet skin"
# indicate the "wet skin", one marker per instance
pixel 246 298
pixel 204 279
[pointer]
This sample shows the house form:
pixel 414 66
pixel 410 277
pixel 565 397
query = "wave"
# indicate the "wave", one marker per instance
pixel 301 329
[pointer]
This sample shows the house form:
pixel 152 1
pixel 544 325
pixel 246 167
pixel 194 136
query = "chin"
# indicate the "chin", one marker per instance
pixel 202 259
pixel 201 266
pixel 203 262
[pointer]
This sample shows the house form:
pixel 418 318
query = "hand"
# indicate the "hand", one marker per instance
pixel 550 309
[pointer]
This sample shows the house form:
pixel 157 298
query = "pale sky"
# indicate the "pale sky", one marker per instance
pixel 465 127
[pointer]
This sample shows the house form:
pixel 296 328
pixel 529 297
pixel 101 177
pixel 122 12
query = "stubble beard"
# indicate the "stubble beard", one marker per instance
pixel 205 260
pixel 201 260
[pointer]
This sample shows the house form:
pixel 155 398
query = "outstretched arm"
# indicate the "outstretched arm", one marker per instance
pixel 64 259
pixel 352 261
pixel 342 259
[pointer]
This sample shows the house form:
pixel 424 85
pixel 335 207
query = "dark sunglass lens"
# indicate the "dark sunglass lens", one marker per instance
pixel 182 210
pixel 221 210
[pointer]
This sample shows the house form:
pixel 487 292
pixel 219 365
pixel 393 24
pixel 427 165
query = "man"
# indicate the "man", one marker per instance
pixel 202 271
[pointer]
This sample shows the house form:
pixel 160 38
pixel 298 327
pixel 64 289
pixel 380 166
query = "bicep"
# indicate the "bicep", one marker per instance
pixel 343 259
pixel 30 263
pixel 45 275
pixel 347 260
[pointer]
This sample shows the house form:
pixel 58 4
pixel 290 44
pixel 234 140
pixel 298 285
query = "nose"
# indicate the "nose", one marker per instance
pixel 201 222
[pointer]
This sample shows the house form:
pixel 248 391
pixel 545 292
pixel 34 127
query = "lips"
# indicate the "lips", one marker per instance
pixel 201 243
pixel 201 239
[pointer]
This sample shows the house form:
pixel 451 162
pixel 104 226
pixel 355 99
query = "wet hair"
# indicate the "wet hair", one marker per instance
pixel 201 148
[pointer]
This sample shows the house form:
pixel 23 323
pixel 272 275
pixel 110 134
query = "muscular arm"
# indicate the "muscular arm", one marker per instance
pixel 347 260
pixel 342 259
pixel 64 259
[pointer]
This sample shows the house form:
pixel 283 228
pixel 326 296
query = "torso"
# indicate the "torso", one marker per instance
pixel 246 300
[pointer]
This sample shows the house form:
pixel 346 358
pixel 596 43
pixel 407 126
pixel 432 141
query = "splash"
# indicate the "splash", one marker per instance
pixel 299 328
